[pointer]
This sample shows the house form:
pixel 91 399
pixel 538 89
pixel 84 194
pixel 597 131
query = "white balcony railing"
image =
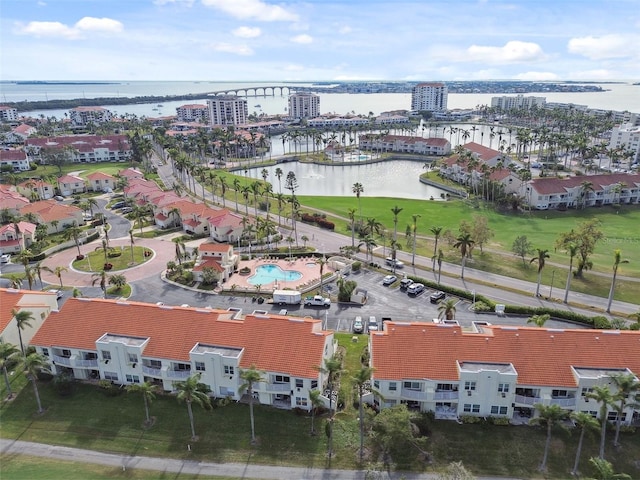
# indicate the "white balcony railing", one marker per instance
pixel 527 400
pixel 155 372
pixel 178 373
pixel 279 387
pixel 89 363
pixel 446 395
pixel 62 360
pixel 413 394
pixel 564 402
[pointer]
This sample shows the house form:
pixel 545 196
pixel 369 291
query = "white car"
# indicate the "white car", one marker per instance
pixel 389 279
pixel 372 326
pixel 5 258
pixel 390 261
pixel 358 326
pixel 415 289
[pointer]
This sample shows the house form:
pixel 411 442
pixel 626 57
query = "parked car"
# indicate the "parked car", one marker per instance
pixel 415 289
pixel 372 325
pixel 317 301
pixel 117 205
pixel 58 198
pixel 126 210
pixel 5 258
pixel 390 261
pixel 358 326
pixel 389 279
pixel 436 297
pixel 404 283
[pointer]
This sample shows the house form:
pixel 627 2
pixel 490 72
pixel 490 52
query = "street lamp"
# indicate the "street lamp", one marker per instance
pixel 553 274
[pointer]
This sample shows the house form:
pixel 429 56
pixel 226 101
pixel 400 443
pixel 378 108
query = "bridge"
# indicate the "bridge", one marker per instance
pixel 256 91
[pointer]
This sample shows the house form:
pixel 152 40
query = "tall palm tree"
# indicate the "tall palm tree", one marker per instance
pixel 396 211
pixel 605 471
pixel 351 212
pixel 191 391
pixel 464 243
pixel 101 278
pixel 572 249
pixel 33 364
pixel 541 259
pixel 279 173
pixel 147 390
pixel 439 260
pixel 316 402
pixel 23 320
pixel 332 368
pixel 251 376
pixel 30 276
pixel 360 379
pixel 617 260
pixel 57 271
pixel 8 352
pixel 584 422
pixel 447 309
pixel 628 387
pixel 73 232
pixel 357 189
pixel 603 396
pixel 414 229
pixel 550 416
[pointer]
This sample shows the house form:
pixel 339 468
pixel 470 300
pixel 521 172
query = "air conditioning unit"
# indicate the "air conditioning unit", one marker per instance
pixel 469 393
pixel 504 394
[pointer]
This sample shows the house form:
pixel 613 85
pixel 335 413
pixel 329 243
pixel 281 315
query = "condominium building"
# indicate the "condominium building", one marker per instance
pixel 304 105
pixel 83 116
pixel 227 110
pixel 431 97
pixel 627 137
pixel 193 113
pixel 81 148
pixel 8 114
pixel 500 371
pixel 517 102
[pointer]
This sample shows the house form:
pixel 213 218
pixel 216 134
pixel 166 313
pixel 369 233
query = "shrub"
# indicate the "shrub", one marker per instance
pixel 635 326
pixel 601 322
pixel 114 253
pixel 470 419
pixel 37 258
pixel 356 266
pixel 109 388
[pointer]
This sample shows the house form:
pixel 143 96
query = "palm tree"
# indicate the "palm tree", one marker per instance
pixel 73 232
pixel 32 365
pixel 23 320
pixel 549 415
pixel 464 243
pixel 131 242
pixel 396 211
pixel 352 219
pixel 584 422
pixel 439 260
pixel 30 276
pixel 192 391
pixel 360 379
pixel 8 352
pixel 617 260
pixel 628 386
pixel 118 281
pixel 279 173
pixel 57 271
pixel 603 396
pixel 572 248
pixel 447 309
pixel 316 402
pixel 541 259
pixel 92 202
pixel 357 189
pixel 251 376
pixel 332 368
pixel 147 390
pixel 605 471
pixel 539 320
pixel 100 277
pixel 414 229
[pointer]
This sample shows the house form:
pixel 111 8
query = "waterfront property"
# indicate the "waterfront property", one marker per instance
pixel 80 148
pixel 500 371
pixel 405 144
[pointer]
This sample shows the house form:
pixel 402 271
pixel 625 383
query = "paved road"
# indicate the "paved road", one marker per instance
pixel 191 467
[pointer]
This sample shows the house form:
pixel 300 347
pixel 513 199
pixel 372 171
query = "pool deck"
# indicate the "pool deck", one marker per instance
pixel 310 274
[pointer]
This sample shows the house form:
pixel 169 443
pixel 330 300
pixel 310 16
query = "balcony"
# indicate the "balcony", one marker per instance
pixel 62 360
pixel 564 401
pixel 413 394
pixel 88 363
pixel 527 400
pixel 177 373
pixel 154 372
pixel 278 387
pixel 446 395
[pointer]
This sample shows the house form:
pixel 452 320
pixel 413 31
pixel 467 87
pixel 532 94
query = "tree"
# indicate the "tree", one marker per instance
pixel 437 231
pixel 628 387
pixel 522 247
pixel 118 281
pixel 541 259
pixel 147 390
pixel 101 278
pixel 360 379
pixel 396 211
pixel 351 212
pixel 617 260
pixel 584 422
pixel 192 391
pixel 480 230
pixel 549 416
pixel 585 237
pixel 464 243
pixel 251 376
pixel 23 320
pixel 57 271
pixel 439 259
pixel 357 189
pixel 572 249
pixel 32 365
pixel 8 352
pixel 539 320
pixel 316 402
pixel 73 232
pixel 603 396
pixel 447 309
pixel 414 231
pixel 331 368
pixel 604 470
pixel 393 432
pixel 456 471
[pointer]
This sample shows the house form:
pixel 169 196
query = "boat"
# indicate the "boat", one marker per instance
pixel 257 106
pixel 160 105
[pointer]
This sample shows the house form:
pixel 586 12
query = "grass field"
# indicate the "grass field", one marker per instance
pixel 111 168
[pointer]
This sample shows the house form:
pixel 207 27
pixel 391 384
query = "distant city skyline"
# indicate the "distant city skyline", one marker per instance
pixel 320 40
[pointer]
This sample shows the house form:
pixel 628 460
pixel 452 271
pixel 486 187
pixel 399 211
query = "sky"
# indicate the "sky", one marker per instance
pixel 320 40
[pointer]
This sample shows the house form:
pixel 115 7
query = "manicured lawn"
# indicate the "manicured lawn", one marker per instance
pixel 94 261
pixel 111 168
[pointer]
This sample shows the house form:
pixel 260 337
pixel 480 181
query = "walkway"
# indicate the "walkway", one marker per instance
pixel 194 467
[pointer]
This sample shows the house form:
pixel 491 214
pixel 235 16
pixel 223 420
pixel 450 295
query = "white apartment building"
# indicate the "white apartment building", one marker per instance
pixel 15 160
pixel 82 116
pixel 405 144
pixel 81 148
pixel 499 371
pixel 227 110
pixel 8 114
pixel 431 97
pixel 131 342
pixel 517 102
pixel 193 113
pixel 304 105
pixel 628 137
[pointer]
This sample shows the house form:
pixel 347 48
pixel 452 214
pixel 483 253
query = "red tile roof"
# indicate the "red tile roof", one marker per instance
pixel 541 356
pixel 294 346
pixel 100 176
pixel 210 263
pixel 10 299
pixel 551 185
pixel 214 247
pixel 50 210
pixel 484 153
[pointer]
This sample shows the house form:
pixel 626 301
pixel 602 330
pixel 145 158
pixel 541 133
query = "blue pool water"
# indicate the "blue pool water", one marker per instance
pixel 269 273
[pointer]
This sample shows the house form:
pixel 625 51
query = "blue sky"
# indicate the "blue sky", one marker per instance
pixel 265 40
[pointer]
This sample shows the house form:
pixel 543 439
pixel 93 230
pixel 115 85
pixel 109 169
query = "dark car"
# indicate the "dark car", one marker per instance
pixel 436 297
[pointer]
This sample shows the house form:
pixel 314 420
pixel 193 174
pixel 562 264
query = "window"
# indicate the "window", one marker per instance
pixel 612 416
pixel 113 376
pixel 229 370
pixel 133 379
pixel 314 384
pixel 469 385
pixel 155 364
pixel 66 353
pixel 467 407
pixel 45 352
pixel 184 367
pixel 593 413
pixel 475 408
pixel 392 386
pixel 301 402
pixel 200 366
pixel 282 379
pixel 299 383
pixel 586 390
pixel 106 355
pixel 497 410
pixel 503 387
pixel 559 393
pixel 376 384
pixel 133 358
pixel 411 385
pixel 446 387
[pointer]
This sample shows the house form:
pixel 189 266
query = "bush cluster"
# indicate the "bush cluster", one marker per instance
pixel 317 219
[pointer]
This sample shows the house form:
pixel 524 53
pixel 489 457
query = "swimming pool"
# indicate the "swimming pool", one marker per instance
pixel 269 273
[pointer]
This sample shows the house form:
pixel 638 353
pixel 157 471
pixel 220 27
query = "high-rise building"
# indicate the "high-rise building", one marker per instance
pixel 304 105
pixel 431 97
pixel 517 102
pixel 227 110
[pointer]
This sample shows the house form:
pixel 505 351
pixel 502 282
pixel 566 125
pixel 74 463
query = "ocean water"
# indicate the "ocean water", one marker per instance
pixel 618 96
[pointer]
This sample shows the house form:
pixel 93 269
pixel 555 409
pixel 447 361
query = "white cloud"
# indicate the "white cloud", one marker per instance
pixel 600 74
pixel 344 30
pixel 512 52
pixel 243 50
pixel 247 32
pixel 165 2
pixel 606 46
pixel 536 76
pixel 60 30
pixel 294 68
pixel 302 39
pixel 253 9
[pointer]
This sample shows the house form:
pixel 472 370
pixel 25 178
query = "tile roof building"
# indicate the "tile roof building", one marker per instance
pixel 81 148
pixel 405 144
pixel 15 160
pixel 12 241
pixel 71 184
pixel 49 211
pixel 499 370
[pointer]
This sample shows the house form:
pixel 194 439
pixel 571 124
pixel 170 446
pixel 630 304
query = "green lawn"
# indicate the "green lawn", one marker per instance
pixel 94 261
pixel 111 168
